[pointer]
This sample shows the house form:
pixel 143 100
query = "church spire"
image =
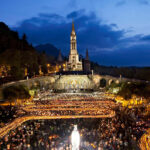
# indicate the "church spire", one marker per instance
pixel 73 29
pixel 59 59
pixel 73 26
pixel 74 63
pixel 73 42
pixel 87 55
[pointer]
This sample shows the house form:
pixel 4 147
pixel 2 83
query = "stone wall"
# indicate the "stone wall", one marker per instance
pixel 61 82
pixel 74 82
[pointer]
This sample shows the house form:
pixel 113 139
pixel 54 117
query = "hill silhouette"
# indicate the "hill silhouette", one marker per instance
pixel 19 54
pixel 48 48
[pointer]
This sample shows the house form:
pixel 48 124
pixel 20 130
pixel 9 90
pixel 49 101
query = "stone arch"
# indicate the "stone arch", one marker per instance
pixel 103 82
pixel 110 81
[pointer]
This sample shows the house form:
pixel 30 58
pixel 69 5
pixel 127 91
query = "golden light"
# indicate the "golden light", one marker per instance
pixel 48 65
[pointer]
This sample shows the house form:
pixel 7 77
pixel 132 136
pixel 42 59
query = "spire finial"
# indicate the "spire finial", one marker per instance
pixel 59 59
pixel 87 55
pixel 73 26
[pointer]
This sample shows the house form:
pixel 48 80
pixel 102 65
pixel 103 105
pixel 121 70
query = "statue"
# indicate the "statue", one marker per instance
pixel 75 138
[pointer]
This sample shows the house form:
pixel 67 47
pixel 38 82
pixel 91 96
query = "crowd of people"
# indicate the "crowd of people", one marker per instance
pixel 118 133
pixel 71 112
pixel 7 113
pixel 71 104
pixel 54 96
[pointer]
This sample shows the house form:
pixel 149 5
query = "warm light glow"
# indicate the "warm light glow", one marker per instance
pixel 26 72
pixel 4 69
pixel 75 138
pixel 48 65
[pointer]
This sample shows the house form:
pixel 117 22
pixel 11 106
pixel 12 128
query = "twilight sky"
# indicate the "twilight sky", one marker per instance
pixel 116 32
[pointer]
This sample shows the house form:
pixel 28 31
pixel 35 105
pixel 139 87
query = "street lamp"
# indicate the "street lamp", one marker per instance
pixel 75 138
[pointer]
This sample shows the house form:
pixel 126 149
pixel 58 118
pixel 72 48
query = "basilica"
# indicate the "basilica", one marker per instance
pixel 74 63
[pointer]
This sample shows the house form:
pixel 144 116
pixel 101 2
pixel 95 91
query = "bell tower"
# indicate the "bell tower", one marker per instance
pixel 74 64
pixel 73 42
pixel 87 65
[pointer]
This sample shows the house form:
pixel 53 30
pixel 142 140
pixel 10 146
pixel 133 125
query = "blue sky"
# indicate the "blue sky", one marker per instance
pixel 116 32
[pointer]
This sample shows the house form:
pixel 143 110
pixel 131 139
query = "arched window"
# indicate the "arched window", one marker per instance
pixel 73 45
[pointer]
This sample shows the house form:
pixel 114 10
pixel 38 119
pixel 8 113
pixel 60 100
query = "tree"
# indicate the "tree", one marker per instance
pixel 19 55
pixel 16 72
pixel 12 93
pixel 24 37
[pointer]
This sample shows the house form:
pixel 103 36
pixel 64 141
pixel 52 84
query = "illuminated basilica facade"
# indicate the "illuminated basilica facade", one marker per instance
pixel 74 64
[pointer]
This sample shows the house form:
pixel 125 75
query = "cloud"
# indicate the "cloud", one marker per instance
pixel 56 29
pixel 120 3
pixel 72 4
pixel 106 43
pixel 144 2
pixel 123 2
pixel 146 38
pixel 133 51
pixel 75 14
